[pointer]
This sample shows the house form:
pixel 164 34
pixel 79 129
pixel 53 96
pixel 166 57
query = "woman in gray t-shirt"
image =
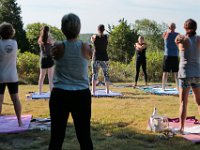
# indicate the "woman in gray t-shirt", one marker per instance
pixel 8 73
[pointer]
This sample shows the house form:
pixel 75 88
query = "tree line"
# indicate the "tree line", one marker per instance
pixel 121 37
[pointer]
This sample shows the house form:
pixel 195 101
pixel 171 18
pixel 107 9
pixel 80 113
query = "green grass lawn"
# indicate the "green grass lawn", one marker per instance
pixel 117 123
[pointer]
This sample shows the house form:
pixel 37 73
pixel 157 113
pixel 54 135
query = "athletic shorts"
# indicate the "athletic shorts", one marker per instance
pixel 170 63
pixel 189 82
pixel 47 62
pixel 12 87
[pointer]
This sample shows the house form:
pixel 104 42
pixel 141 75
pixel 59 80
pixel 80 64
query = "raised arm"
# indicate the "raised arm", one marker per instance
pixel 165 35
pixel 182 42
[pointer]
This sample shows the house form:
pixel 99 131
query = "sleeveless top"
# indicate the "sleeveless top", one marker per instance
pixel 8 60
pixel 141 55
pixel 100 45
pixel 71 70
pixel 45 50
pixel 189 65
pixel 170 46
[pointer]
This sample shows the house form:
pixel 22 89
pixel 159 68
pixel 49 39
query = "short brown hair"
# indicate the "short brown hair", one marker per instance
pixel 71 26
pixel 6 30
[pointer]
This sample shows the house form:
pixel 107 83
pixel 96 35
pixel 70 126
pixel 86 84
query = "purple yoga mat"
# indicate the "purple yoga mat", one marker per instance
pixel 189 122
pixel 9 124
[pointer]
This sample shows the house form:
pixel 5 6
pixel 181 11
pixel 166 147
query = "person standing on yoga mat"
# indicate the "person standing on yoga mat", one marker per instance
pixel 100 58
pixel 189 68
pixel 45 42
pixel 140 48
pixel 170 60
pixel 71 91
pixel 8 68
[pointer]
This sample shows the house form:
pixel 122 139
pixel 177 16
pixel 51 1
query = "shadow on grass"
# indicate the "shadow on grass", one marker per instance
pixel 9 104
pixel 105 136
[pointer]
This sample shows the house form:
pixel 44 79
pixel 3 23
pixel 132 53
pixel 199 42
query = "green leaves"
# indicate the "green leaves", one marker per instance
pixel 33 33
pixel 121 40
pixel 10 12
pixel 152 31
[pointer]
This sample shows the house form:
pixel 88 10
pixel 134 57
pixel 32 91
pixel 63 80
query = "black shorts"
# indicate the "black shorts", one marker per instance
pixel 170 63
pixel 47 62
pixel 12 87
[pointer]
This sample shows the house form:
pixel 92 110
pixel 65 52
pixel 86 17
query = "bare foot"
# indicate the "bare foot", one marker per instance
pixel 107 91
pixel 180 131
pixel 20 123
pixel 134 86
pixel 92 93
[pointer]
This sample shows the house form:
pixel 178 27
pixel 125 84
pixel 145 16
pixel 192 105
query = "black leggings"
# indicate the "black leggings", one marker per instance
pixel 140 62
pixel 62 102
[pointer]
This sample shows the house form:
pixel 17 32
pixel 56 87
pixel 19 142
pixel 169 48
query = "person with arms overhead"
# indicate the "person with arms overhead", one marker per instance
pixel 45 42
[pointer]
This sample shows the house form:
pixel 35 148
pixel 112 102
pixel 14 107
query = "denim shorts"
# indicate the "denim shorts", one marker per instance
pixel 193 82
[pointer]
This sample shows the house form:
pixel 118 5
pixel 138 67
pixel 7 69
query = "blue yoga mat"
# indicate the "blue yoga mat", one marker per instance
pixel 160 91
pixel 102 93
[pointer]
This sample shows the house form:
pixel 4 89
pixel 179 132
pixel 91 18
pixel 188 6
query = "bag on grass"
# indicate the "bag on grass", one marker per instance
pixel 157 123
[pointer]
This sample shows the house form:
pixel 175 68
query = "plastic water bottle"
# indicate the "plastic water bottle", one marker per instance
pixel 155 113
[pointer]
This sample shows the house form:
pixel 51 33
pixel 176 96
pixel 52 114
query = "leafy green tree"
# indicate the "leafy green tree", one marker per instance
pixel 152 31
pixel 121 42
pixel 10 12
pixel 33 33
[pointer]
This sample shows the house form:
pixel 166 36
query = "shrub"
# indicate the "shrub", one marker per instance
pixel 28 68
pixel 154 66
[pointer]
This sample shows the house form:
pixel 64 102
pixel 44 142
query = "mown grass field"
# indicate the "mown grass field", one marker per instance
pixel 117 123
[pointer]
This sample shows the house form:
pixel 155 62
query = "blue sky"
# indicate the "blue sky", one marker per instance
pixel 95 12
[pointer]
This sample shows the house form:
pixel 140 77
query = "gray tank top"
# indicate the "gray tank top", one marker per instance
pixel 189 65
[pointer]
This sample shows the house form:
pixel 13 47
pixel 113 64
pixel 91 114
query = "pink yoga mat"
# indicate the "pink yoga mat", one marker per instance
pixel 9 124
pixel 190 122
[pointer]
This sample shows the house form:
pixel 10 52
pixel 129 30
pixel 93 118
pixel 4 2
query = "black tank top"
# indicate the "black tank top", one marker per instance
pixel 100 45
pixel 141 54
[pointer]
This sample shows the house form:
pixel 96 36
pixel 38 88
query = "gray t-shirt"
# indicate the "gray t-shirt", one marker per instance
pixel 8 59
